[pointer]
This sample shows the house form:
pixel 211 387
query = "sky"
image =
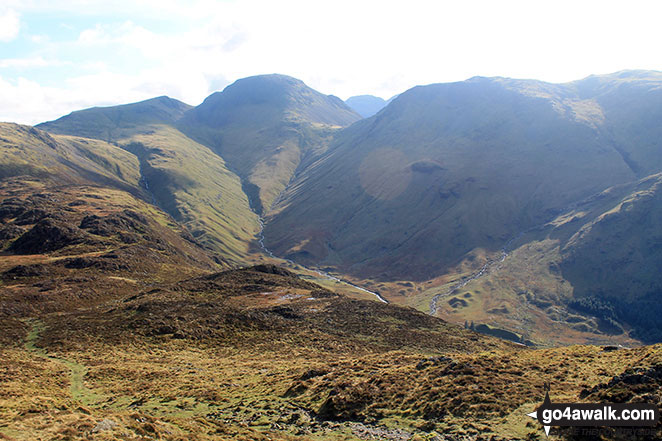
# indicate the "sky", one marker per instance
pixel 61 56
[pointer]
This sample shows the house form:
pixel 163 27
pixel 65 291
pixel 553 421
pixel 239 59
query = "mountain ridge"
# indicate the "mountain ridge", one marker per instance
pixel 434 186
pixel 136 301
pixel 112 122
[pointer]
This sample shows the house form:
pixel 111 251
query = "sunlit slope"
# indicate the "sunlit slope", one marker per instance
pixel 25 150
pixel 447 170
pixel 183 177
pixel 117 122
pixel 193 184
pixel 265 127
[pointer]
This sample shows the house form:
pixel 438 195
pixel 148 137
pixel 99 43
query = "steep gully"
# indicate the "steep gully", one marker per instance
pixel 145 184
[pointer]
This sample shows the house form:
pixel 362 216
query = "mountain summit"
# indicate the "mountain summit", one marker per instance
pixel 265 126
pixel 270 99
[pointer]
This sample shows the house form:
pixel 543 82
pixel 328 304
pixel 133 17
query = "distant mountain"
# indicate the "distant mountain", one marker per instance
pixel 265 127
pixel 267 99
pixel 366 105
pixel 202 165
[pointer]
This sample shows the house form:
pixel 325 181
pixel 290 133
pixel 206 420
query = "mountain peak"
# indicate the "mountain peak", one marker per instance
pixel 272 97
pixel 274 79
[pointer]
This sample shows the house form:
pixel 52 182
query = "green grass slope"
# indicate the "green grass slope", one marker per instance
pixel 25 150
pixel 448 170
pixel 185 178
pixel 193 184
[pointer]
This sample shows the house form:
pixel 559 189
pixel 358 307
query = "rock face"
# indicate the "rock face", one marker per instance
pixel 104 425
pixel 46 236
pixel 129 226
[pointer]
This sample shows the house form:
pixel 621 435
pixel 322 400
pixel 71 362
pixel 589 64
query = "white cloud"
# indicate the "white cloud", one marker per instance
pixel 25 62
pixel 10 25
pixel 39 39
pixel 344 48
pixel 26 101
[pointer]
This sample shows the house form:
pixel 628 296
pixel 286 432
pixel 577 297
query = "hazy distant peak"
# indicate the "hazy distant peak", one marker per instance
pixel 366 105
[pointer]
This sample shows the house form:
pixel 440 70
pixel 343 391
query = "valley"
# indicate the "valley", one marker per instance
pixel 272 265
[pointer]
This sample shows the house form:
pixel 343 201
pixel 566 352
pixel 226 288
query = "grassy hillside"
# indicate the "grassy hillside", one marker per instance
pixel 194 185
pixel 25 150
pixel 447 171
pixel 181 176
pixel 264 127
pixel 258 354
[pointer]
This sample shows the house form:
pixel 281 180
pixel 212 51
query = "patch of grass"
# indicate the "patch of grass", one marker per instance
pixel 78 390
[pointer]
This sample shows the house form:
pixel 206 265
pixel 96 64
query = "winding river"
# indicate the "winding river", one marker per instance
pixel 328 276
